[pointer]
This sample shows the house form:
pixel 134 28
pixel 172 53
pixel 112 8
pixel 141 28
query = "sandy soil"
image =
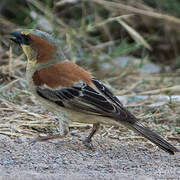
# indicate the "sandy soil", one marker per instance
pixel 68 159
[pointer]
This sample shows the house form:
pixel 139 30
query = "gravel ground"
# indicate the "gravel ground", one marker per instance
pixel 68 159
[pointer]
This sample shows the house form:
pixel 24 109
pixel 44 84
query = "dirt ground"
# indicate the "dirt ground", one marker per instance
pixel 68 159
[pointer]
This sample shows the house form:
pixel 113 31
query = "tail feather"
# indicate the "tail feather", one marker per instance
pixel 153 137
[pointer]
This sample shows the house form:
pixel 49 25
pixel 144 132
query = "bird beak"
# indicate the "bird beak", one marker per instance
pixel 17 37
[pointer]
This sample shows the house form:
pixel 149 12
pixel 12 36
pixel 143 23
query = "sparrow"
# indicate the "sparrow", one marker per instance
pixel 73 93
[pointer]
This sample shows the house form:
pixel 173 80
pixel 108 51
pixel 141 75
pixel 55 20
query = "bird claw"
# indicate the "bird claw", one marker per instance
pixel 87 142
pixel 44 138
pixel 74 134
pixel 33 141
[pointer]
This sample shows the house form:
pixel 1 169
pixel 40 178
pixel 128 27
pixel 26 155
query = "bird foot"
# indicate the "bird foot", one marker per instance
pixel 87 142
pixel 44 138
pixel 74 133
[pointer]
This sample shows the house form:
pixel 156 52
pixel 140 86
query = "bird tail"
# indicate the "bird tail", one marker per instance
pixel 153 137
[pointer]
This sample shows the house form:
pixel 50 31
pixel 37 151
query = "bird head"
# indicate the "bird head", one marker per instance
pixel 39 47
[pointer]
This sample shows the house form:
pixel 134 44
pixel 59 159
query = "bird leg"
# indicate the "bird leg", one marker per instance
pixel 87 140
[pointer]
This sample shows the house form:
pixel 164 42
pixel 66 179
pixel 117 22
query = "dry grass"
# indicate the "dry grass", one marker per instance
pixel 141 10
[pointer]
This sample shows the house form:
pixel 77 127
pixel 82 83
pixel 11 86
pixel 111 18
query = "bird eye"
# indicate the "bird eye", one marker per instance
pixel 25 39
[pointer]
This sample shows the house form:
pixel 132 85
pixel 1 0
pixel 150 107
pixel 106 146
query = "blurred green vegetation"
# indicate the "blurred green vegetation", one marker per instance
pixel 170 7
pixel 94 32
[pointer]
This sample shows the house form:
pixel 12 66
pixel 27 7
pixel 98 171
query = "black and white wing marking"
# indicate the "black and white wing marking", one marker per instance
pixel 85 99
pixel 104 90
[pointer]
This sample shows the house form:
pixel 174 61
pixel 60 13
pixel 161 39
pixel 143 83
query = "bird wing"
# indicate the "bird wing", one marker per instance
pixel 84 98
pixel 70 86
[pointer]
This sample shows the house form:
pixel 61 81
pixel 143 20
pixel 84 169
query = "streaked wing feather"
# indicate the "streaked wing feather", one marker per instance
pixel 104 90
pixel 70 98
pixel 81 98
pixel 95 98
pixel 81 107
